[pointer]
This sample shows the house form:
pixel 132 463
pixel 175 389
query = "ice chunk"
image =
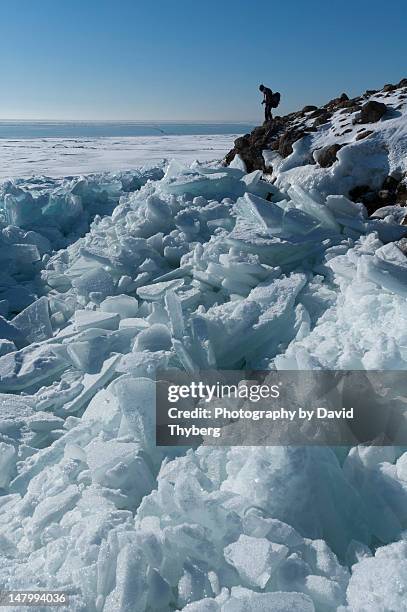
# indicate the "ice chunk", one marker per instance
pixel 44 421
pixel 204 605
pixel 136 398
pixel 96 280
pixel 89 355
pixel 131 581
pixel 275 602
pixel 174 309
pixel 255 559
pixel 52 508
pixel 8 331
pixel 7 346
pixel 157 291
pixel 34 322
pixel 194 584
pixel 124 305
pixel 156 338
pixel 119 465
pixel 24 254
pixel 135 323
pixel 7 464
pixel 340 205
pixel 90 385
pixel 303 201
pixel 380 583
pixel 29 366
pixel 87 319
pixel 260 211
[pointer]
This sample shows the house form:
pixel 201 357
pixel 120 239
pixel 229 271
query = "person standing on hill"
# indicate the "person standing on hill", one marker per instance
pixel 268 101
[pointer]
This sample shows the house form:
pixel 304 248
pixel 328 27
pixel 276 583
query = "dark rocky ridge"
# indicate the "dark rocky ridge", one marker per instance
pixel 282 132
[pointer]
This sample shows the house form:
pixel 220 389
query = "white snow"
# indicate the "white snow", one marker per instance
pixel 57 157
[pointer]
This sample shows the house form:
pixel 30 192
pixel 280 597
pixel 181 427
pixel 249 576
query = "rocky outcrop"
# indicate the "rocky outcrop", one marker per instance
pixel 371 112
pixel 281 133
pixel 339 123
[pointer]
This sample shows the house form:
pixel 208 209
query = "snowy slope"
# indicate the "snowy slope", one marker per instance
pixel 206 266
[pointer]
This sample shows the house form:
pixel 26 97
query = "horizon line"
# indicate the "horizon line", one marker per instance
pixel 43 120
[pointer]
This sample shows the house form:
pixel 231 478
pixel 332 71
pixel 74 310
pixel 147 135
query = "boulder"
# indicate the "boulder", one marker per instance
pixel 371 112
pixel 309 108
pixel 324 117
pixel 364 134
pixel 286 141
pixel 326 156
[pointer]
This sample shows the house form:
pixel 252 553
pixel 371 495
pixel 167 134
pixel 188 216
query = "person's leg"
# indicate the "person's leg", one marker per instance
pixel 268 112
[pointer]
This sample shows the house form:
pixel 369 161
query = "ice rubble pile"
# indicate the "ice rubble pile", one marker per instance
pixel 208 267
pixel 41 214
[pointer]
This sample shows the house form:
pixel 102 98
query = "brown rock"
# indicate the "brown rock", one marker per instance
pixel 371 112
pixel 364 134
pixel 317 113
pixel 357 192
pixel 309 108
pixel 326 156
pixel 323 118
pixel 285 146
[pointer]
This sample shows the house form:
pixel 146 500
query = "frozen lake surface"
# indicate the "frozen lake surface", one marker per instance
pixel 57 157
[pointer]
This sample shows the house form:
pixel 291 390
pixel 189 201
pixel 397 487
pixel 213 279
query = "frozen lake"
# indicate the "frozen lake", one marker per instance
pixel 55 157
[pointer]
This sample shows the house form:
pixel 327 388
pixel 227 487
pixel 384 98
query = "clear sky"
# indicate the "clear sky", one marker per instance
pixel 188 59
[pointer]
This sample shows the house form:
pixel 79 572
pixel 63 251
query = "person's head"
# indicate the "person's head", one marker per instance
pixel 261 87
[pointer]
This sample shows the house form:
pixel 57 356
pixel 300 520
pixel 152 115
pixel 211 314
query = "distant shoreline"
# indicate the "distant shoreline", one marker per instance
pixel 14 129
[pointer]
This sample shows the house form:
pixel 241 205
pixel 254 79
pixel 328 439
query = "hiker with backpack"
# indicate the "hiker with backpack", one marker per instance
pixel 270 100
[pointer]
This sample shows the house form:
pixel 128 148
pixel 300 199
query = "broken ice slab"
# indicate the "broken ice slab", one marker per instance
pixel 123 305
pixel 133 323
pixel 24 254
pixel 136 398
pixel 385 274
pixel 30 366
pixel 217 185
pixel 91 383
pixel 14 409
pixel 17 296
pixel 9 332
pixel 89 355
pixel 387 232
pixel 87 319
pixel 272 250
pixel 340 205
pixel 143 363
pixel 32 466
pixel 34 322
pixel 174 309
pixel 119 465
pixel 304 202
pixel 96 280
pixel 156 337
pixel 156 291
pixel 258 323
pixel 243 600
pixel 44 421
pixel 255 559
pixel 261 212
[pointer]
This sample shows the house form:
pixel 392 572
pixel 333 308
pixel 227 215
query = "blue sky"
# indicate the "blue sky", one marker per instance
pixel 131 59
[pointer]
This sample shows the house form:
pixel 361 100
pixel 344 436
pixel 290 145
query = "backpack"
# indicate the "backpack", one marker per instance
pixel 276 99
